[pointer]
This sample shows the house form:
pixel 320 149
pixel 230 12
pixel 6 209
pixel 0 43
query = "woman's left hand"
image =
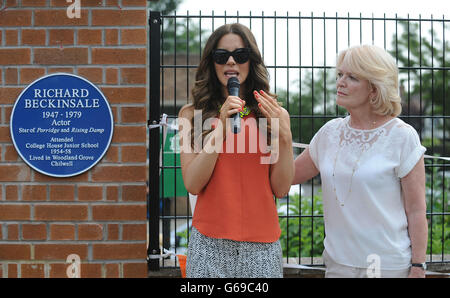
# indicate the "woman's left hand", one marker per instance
pixel 272 110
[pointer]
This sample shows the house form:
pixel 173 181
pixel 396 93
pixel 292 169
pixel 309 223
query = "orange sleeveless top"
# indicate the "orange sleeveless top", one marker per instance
pixel 238 202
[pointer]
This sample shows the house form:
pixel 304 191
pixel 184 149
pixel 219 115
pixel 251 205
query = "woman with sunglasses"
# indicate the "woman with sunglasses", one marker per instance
pixel 235 229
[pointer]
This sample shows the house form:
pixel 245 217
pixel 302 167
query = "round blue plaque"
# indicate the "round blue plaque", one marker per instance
pixel 61 125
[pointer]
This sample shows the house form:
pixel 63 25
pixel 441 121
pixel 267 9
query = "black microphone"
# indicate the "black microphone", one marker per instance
pixel 233 86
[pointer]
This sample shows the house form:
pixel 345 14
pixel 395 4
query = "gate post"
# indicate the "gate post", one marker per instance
pixel 154 139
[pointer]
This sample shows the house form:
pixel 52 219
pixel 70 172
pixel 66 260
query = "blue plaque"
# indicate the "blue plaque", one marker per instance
pixel 61 125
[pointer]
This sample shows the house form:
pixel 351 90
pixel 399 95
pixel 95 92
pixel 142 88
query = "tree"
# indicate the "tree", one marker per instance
pixel 424 82
pixel 312 104
pixel 177 35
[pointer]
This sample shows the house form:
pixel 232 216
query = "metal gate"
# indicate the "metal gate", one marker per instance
pixel 299 51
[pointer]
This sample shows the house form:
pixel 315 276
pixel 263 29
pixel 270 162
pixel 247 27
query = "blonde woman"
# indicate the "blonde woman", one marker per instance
pixel 372 171
pixel 235 229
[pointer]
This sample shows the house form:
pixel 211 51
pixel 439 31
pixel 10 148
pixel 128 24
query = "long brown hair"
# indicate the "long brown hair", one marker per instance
pixel 207 91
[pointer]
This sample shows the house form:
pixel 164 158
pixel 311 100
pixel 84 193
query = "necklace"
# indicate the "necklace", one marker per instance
pixel 372 124
pixel 351 178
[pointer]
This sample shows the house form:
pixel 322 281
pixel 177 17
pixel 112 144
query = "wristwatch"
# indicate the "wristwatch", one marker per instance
pixel 421 265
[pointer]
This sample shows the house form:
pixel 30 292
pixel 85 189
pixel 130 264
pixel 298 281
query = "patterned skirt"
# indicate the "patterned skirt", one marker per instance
pixel 209 258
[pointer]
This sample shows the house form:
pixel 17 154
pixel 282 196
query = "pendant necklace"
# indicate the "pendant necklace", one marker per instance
pixel 351 178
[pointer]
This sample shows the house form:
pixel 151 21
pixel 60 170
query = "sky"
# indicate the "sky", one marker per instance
pixel 330 7
pixel 282 48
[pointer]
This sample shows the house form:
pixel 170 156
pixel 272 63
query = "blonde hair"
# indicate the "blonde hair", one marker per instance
pixel 379 68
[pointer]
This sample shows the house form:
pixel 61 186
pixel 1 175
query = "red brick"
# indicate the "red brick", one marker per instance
pixel 119 174
pixel 134 154
pixel 28 75
pixel 15 252
pixel 34 193
pixel 33 3
pixel 89 270
pixel 8 95
pixel 134 193
pixel 112 270
pixel 12 37
pixel 128 3
pixel 56 18
pixel 121 251
pixel 59 251
pixel 58 270
pixel 90 232
pixel 13 173
pixel 134 231
pixel 90 193
pixel 35 37
pixel 111 37
pixel 5 134
pixel 112 193
pixel 136 75
pixel 89 37
pixel 125 94
pixel 11 76
pixel 112 155
pixel 135 270
pixel 61 212
pixel 10 153
pixel 62 192
pixel 61 69
pixel 62 232
pixel 8 112
pixel 134 36
pixel 32 271
pixel 129 134
pixel 119 212
pixel 15 56
pixel 12 193
pixel 14 212
pixel 61 37
pixel 113 232
pixel 109 17
pixel 114 3
pixel 60 56
pixel 112 76
pixel 93 74
pixel 38 177
pixel 134 114
pixel 15 18
pixel 13 272
pixel 13 232
pixel 84 3
pixel 119 56
pixel 34 231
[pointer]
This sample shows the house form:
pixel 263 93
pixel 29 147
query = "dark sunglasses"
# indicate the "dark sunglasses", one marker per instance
pixel 241 55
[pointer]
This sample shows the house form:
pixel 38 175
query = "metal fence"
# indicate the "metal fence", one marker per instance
pixel 300 53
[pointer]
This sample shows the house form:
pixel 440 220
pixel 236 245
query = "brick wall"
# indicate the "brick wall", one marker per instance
pixel 99 215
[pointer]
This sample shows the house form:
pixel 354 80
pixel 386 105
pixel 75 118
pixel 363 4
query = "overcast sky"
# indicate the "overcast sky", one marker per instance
pixel 330 7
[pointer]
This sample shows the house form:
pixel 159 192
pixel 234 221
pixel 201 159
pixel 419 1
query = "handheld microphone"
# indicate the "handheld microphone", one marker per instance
pixel 233 86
